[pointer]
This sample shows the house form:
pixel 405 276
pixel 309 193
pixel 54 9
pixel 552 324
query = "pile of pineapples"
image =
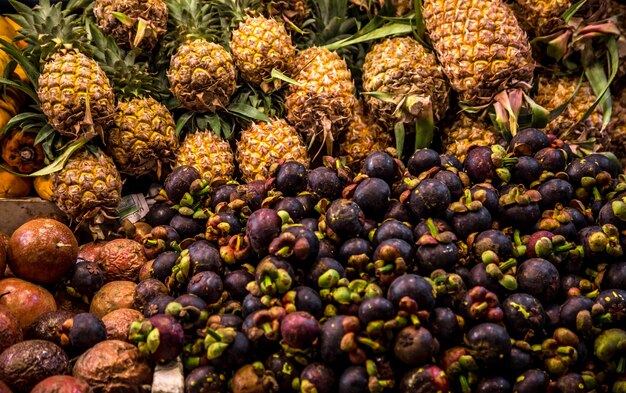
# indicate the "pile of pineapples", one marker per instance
pixel 120 89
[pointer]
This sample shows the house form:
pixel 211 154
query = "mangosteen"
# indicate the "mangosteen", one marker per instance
pixel 492 240
pixel 222 194
pixel 489 344
pixel 436 250
pixel 393 229
pixel 445 325
pixel 526 171
pixel 555 191
pixel 381 165
pixel 250 304
pixel 324 182
pixel 375 308
pixel 480 164
pixel 334 349
pixel 299 330
pixel 82 331
pixel 488 195
pixel 160 338
pixel 297 244
pixel 186 227
pixel 345 218
pixel 305 299
pixel 317 377
pixel 147 290
pixel 524 315
pixel 614 213
pixel 607 162
pixel 163 264
pixel 430 198
pixel 398 211
pixel 291 178
pixel 354 380
pixel 552 159
pixel 370 195
pixel 415 346
pixel 539 278
pixel 414 288
pixel 423 160
pixel 292 207
pixel 452 181
pixel 205 379
pixel 262 227
pixel 427 379
pixel 159 214
pixel 274 275
pixel 581 168
pixel 85 280
pixel 532 381
pixel 207 285
pixel 179 181
pixel 519 208
pixel 600 243
pixel 284 369
pixel 572 308
pixel 468 216
pixel 529 141
pixel 235 283
pixel 493 385
pixel 614 277
pixel 392 258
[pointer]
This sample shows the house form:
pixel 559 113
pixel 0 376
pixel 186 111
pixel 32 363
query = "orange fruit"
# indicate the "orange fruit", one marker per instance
pixel 12 186
pixel 43 187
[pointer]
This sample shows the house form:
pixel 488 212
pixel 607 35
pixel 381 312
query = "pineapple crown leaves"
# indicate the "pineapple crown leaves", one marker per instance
pixel 129 75
pixel 47 29
pixel 192 19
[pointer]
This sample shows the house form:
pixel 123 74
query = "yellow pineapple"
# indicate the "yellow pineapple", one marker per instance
pixel 258 46
pixel 481 47
pixel 467 131
pixel 132 23
pixel 262 146
pixel 88 188
pixel 201 73
pixel 553 91
pixel 409 76
pixel 321 105
pixel 208 153
pixel 363 136
pixel 540 17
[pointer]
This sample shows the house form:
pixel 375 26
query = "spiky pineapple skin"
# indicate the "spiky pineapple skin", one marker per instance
pixel 259 45
pixel 405 70
pixel 87 186
pixel 72 88
pixel 540 17
pixel 153 12
pixel 481 47
pixel 363 136
pixel 208 153
pixel 553 91
pixel 202 76
pixel 465 132
pixel 321 105
pixel 144 134
pixel 263 145
pixel 291 11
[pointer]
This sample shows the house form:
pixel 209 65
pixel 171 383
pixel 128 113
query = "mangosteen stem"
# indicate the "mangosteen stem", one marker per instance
pixel 432 227
pixel 465 387
pixel 621 365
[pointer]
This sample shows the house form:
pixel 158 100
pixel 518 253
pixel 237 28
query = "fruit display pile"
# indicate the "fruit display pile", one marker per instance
pixel 315 196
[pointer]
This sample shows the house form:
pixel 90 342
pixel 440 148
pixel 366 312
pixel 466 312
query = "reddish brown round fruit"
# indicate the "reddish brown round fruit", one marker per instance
pixel 113 366
pixel 112 296
pixel 62 384
pixel 26 363
pixel 3 255
pixel 42 250
pixel 25 300
pixel 10 331
pixel 121 259
pixel 117 322
pixel 90 252
pixel 144 272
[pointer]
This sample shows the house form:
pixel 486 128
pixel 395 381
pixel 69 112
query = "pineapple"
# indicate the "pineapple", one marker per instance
pixel 132 23
pixel 465 132
pixel 553 91
pixel 410 75
pixel 74 92
pixel 143 136
pixel 201 73
pixel 293 12
pixel 540 17
pixel 88 188
pixel 481 47
pixel 208 153
pixel 363 136
pixel 143 133
pixel 320 106
pixel 262 146
pixel 258 46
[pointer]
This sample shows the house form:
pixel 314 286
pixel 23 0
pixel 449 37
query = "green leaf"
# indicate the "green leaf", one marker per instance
pixel 571 11
pixel 21 118
pixel 247 112
pixel 279 75
pixel 385 31
pixel 31 71
pixel 215 124
pixel 400 134
pixel 420 26
pixel 44 133
pixel 60 161
pixel 182 121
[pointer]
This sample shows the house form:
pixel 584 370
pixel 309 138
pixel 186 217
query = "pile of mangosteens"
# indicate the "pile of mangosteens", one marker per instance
pixel 502 273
